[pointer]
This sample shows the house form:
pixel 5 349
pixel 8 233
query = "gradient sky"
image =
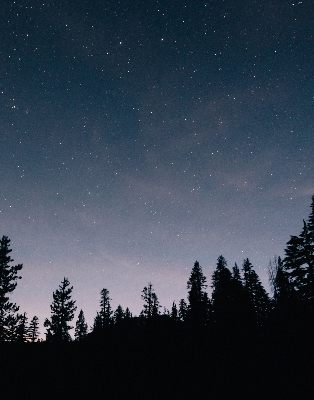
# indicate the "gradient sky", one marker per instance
pixel 139 136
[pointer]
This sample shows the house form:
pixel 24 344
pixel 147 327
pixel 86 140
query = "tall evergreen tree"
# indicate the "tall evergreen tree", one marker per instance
pixel 279 281
pixel 80 327
pixel 127 314
pixel 22 329
pixel 127 318
pixel 256 294
pixel 299 263
pixel 183 309
pixel 310 224
pixel 196 286
pixel 310 239
pixel 118 315
pixel 103 318
pixel 284 307
pixel 236 276
pixel 8 277
pixel 62 312
pixel 151 303
pixel 12 327
pixel 105 308
pixel 222 292
pixel 33 329
pixel 299 260
pixel 308 260
pixel 294 265
pixel 97 326
pixel 174 312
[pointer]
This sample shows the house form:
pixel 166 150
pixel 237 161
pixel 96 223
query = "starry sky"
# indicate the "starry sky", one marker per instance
pixel 139 136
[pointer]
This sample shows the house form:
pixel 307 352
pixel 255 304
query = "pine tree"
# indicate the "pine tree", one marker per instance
pixel 196 285
pixel 236 276
pixel 12 327
pixel 308 261
pixel 299 260
pixel 97 326
pixel 284 305
pixel 310 224
pixel 183 309
pixel 22 329
pixel 62 312
pixel 222 292
pixel 174 312
pixel 310 238
pixel 299 263
pixel 8 278
pixel 258 298
pixel 151 303
pixel 294 265
pixel 105 308
pixel 80 327
pixel 127 319
pixel 128 313
pixel 33 331
pixel 279 281
pixel 118 315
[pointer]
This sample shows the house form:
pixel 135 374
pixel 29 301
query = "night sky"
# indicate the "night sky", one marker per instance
pixel 139 136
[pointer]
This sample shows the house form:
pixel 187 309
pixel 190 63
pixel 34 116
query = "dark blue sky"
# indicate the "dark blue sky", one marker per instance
pixel 137 137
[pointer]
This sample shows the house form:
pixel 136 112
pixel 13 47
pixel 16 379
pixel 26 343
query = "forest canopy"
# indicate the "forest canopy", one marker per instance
pixel 238 300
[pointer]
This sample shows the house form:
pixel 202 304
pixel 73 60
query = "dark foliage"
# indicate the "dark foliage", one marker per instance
pixel 8 276
pixel 198 300
pixel 81 327
pixel 299 260
pixel 33 330
pixel 62 312
pixel 151 304
pixel 239 344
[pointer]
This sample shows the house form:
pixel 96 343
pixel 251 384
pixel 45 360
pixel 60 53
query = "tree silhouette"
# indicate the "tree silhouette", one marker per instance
pixel 299 260
pixel 80 327
pixel 105 308
pixel 237 292
pixel 308 261
pixel 196 295
pixel 183 309
pixel 222 292
pixel 98 325
pixel 279 281
pixel 299 263
pixel 310 239
pixel 22 329
pixel 62 312
pixel 151 303
pixel 127 314
pixel 174 312
pixel 256 294
pixel 118 315
pixel 103 318
pixel 8 278
pixel 310 224
pixel 294 265
pixel 299 267
pixel 11 328
pixel 33 331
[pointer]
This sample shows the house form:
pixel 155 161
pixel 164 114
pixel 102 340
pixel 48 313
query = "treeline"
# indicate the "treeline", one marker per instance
pixel 239 303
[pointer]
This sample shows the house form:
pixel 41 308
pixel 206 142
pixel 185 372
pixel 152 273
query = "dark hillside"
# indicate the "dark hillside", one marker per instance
pixel 150 365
